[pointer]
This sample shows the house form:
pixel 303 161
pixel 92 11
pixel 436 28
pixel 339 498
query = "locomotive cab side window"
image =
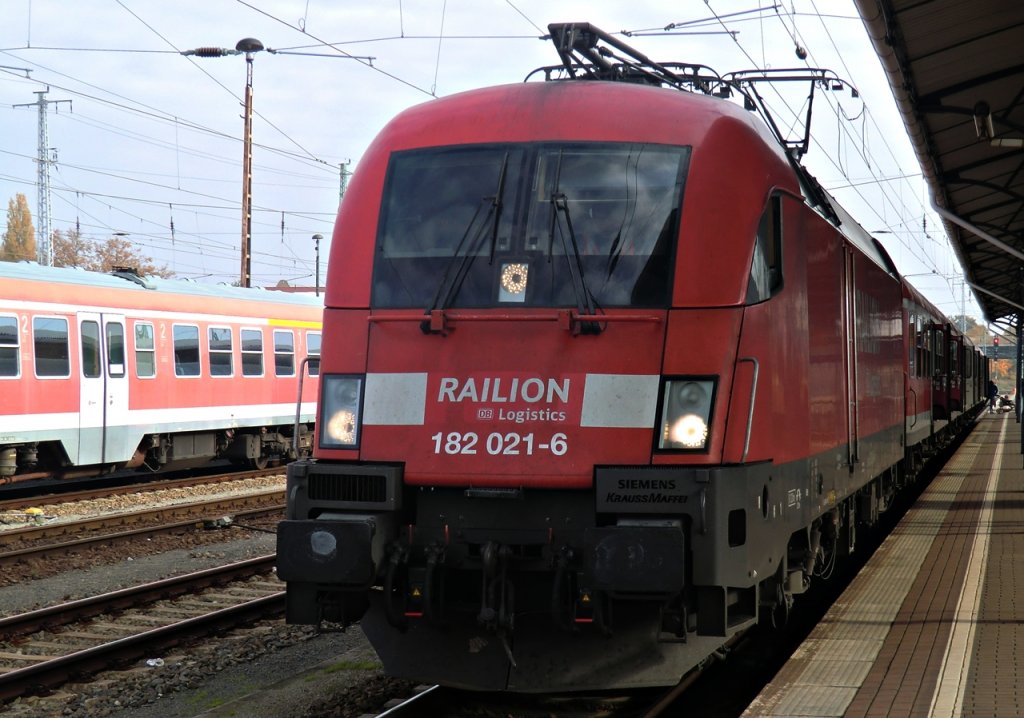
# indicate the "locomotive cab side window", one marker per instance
pixel 52 349
pixel 252 352
pixel 10 368
pixel 186 350
pixel 145 351
pixel 284 353
pixel 766 266
pixel 221 363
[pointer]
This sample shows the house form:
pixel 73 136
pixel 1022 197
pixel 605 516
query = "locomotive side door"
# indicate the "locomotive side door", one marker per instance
pixel 850 329
pixel 104 389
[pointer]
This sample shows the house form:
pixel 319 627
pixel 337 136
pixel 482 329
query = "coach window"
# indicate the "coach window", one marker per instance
pixel 50 340
pixel 145 351
pixel 9 366
pixel 766 266
pixel 938 350
pixel 90 349
pixel 252 352
pixel 313 351
pixel 922 350
pixel 186 350
pixel 115 350
pixel 220 352
pixel 284 353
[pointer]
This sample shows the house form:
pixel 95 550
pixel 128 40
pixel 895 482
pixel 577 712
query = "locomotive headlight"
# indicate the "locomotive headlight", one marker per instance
pixel 690 432
pixel 686 413
pixel 340 403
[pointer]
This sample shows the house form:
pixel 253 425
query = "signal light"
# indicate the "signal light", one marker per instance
pixel 995 341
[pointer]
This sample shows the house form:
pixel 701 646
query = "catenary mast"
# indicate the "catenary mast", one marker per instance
pixel 44 248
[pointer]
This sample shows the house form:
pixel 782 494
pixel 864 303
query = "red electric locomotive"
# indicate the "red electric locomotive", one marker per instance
pixel 607 378
pixel 100 372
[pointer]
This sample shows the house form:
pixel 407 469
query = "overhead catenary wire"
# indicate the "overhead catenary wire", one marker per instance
pixel 794 35
pixel 203 70
pixel 189 137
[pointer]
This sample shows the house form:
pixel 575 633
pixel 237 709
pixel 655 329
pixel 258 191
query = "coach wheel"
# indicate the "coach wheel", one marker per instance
pixel 260 462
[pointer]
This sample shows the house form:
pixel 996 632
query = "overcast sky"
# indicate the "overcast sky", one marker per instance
pixel 153 137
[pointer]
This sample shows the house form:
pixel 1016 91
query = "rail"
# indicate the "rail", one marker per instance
pixel 50 671
pixel 62 548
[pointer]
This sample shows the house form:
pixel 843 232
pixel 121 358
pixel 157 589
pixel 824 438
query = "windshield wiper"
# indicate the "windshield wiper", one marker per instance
pixel 585 304
pixel 466 250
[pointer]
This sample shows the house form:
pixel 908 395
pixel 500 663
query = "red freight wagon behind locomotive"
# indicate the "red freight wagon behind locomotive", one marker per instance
pixel 101 372
pixel 607 378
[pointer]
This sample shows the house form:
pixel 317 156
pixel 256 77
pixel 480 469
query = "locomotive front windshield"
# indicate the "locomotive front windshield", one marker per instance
pixel 584 225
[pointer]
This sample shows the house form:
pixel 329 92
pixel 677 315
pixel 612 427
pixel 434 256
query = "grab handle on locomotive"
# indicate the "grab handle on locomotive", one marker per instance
pixel 750 411
pixel 298 404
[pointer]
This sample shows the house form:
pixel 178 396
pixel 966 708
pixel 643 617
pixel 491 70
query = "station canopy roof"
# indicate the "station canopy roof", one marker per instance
pixel 956 69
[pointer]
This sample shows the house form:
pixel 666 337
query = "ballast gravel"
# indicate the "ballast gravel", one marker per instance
pixel 270 670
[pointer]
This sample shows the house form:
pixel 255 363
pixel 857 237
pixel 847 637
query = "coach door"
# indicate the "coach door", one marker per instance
pixel 104 394
pixel 850 329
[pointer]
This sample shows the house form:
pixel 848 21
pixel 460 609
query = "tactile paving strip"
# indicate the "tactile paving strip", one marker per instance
pixel 993 685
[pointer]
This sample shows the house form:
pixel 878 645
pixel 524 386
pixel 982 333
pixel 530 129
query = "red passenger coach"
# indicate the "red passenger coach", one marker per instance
pixel 101 372
pixel 946 375
pixel 607 379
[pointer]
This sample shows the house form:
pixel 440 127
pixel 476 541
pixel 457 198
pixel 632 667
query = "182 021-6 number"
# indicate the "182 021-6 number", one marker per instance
pixel 497 443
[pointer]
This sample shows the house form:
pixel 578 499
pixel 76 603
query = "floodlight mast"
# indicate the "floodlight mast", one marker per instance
pixel 247 46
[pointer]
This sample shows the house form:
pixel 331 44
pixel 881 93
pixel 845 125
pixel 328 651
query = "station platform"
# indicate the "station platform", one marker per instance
pixel 933 625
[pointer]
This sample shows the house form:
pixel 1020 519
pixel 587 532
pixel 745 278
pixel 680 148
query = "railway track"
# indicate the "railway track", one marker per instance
pixel 167 512
pixel 17 555
pixel 37 542
pixel 15 497
pixel 43 649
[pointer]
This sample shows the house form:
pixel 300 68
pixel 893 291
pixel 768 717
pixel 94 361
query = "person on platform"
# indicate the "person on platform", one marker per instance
pixel 993 392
